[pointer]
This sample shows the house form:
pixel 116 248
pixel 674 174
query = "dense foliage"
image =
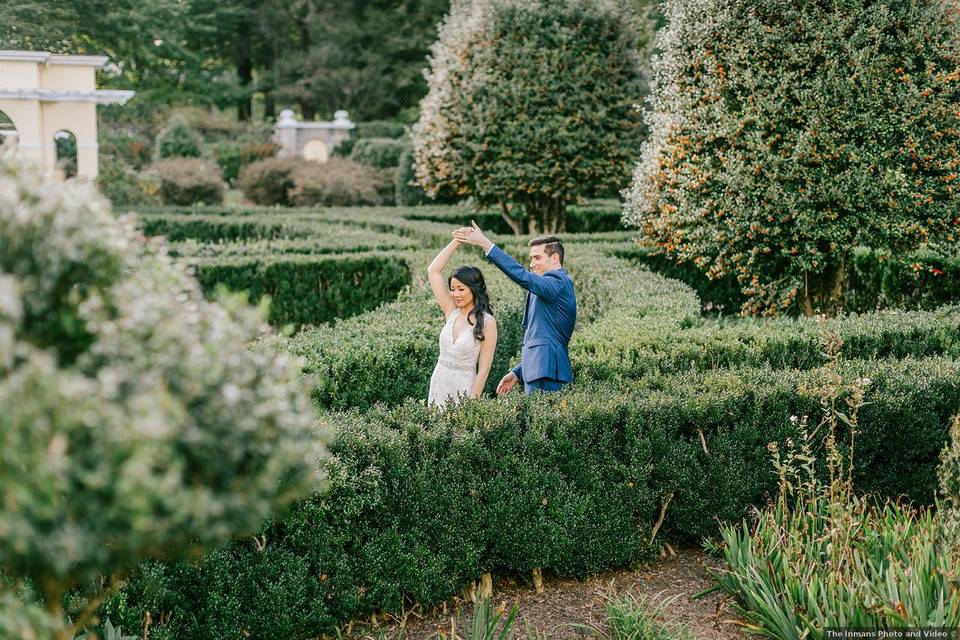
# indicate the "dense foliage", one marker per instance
pixel 784 135
pixel 820 556
pixel 134 420
pixel 186 181
pixel 366 58
pixel 532 106
pixel 178 140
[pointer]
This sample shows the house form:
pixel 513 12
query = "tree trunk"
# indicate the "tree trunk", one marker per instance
pixel 839 283
pixel 555 213
pixel 269 107
pixel 538 580
pixel 514 225
pixel 245 73
pixel 486 585
pixel 825 294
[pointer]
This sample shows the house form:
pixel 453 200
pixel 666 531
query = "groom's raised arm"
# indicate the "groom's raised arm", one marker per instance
pixel 546 287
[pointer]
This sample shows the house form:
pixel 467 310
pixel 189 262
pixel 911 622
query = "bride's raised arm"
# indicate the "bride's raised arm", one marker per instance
pixel 441 291
pixel 487 348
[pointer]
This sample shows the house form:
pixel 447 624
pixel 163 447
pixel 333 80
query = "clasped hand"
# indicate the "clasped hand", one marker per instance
pixel 471 235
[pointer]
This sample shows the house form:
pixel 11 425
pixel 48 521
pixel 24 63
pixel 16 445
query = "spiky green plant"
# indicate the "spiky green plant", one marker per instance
pixel 489 623
pixel 820 556
pixel 633 617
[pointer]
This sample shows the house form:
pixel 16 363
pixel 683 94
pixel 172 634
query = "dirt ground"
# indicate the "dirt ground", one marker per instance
pixel 566 603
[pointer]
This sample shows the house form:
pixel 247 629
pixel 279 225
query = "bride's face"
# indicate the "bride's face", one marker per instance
pixel 461 294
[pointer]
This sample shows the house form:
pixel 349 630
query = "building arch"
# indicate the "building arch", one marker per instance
pixel 65 146
pixel 8 130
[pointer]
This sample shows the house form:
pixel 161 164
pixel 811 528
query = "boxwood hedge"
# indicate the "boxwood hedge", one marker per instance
pixel 666 404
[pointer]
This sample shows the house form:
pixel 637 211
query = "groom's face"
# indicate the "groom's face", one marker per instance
pixel 540 262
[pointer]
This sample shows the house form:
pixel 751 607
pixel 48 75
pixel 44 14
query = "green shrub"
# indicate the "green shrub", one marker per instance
pixel 269 182
pixel 337 182
pixel 185 181
pixel 329 239
pixel 214 228
pixel 344 148
pixel 919 280
pixel 820 556
pixel 306 290
pixel 135 422
pixel 406 191
pixel 380 129
pixel 421 502
pixel 874 280
pixel 766 162
pixel 580 219
pixel 233 156
pixel 632 345
pixel 133 148
pixel 178 140
pixel 378 152
pixel 123 186
pixel 474 140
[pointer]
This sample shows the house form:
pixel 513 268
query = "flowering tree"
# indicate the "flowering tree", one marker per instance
pixel 531 106
pixel 784 134
pixel 134 420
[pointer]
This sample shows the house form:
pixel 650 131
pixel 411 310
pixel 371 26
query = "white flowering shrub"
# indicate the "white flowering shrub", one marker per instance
pixel 135 421
pixel 531 106
pixel 784 135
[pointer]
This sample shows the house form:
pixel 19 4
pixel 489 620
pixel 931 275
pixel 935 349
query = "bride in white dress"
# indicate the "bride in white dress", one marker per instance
pixel 468 338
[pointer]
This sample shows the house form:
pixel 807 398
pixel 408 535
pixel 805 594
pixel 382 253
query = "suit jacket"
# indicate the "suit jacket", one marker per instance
pixel 548 319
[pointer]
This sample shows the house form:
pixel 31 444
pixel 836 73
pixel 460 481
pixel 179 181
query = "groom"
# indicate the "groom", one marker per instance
pixel 549 315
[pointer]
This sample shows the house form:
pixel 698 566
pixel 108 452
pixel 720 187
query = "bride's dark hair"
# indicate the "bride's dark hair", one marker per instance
pixel 473 279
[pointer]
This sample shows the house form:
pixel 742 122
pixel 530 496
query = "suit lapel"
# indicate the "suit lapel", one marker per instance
pixel 526 309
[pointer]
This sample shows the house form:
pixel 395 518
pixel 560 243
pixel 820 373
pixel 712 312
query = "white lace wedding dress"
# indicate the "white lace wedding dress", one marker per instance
pixel 456 368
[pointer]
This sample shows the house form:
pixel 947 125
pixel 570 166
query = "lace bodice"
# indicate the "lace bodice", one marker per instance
pixel 456 368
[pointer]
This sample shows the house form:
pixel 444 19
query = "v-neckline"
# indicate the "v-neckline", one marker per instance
pixel 453 327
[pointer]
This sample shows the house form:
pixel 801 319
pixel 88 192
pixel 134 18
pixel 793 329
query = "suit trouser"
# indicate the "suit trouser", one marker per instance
pixel 543 384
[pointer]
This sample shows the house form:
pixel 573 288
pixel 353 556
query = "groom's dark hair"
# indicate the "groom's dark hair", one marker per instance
pixel 551 245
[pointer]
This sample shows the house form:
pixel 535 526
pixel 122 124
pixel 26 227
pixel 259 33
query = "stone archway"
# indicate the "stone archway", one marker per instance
pixel 310 140
pixel 8 131
pixel 65 146
pixel 43 93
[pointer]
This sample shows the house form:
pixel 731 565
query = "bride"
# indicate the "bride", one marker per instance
pixel 469 337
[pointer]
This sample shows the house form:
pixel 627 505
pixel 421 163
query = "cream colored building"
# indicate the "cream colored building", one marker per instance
pixel 46 94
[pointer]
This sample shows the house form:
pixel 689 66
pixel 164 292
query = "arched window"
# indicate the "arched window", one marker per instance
pixel 66 143
pixel 8 131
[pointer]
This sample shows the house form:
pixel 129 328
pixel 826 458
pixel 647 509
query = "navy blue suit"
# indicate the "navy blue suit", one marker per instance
pixel 548 321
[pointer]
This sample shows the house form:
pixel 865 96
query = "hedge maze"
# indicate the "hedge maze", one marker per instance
pixel 669 417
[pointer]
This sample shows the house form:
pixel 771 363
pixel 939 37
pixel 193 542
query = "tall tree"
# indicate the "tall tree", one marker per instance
pixel 784 134
pixel 367 57
pixel 532 106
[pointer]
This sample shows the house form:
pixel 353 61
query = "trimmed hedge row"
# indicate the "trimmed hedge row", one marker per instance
pixel 219 228
pixel 921 280
pixel 589 218
pixel 421 502
pixel 629 345
pixel 309 290
pixel 339 239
